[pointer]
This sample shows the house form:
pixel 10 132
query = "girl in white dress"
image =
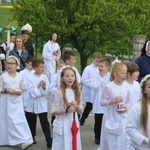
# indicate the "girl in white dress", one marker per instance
pixel 14 128
pixel 113 135
pixel 67 101
pixel 138 123
pixel 134 86
pixel 135 91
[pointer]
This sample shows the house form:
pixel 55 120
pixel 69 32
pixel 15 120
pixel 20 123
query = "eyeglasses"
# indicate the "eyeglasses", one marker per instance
pixel 11 64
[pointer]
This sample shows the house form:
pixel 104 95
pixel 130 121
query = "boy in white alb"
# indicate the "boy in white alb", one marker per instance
pixel 88 92
pixel 38 87
pixel 98 83
pixel 26 74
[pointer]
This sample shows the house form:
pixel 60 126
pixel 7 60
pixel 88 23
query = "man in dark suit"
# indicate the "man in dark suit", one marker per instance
pixel 28 45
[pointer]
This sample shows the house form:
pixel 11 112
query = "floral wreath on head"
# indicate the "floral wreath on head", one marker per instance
pixel 144 79
pixel 116 61
pixel 67 66
pixel 15 58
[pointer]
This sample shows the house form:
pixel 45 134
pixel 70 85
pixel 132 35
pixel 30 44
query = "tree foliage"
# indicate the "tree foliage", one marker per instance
pixel 99 25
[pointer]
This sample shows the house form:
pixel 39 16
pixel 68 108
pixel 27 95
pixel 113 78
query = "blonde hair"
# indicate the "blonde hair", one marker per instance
pixel 144 107
pixel 60 62
pixel 75 86
pixel 116 68
pixel 97 55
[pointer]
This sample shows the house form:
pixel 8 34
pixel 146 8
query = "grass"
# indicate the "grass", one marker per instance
pixel 6 16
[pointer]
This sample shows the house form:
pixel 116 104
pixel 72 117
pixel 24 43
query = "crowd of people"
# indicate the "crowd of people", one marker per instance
pixel 117 93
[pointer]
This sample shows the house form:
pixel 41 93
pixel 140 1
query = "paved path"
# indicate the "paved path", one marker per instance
pixel 87 137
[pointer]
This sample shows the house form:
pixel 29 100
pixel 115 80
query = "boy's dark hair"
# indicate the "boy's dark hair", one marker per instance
pixel 67 55
pixel 106 61
pixel 12 34
pixel 132 67
pixel 29 59
pixel 37 62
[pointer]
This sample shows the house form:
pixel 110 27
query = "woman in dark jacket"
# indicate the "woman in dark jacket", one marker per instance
pixel 19 52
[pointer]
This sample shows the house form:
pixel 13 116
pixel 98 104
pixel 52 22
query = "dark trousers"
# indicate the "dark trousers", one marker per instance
pixel 32 119
pixel 86 112
pixel 52 119
pixel 97 126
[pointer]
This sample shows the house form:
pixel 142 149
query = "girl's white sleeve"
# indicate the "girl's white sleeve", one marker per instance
pixel 133 126
pixel 104 101
pixel 58 103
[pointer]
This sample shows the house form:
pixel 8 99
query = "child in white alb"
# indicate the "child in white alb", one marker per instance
pixel 98 83
pixel 26 74
pixel 88 92
pixel 38 87
pixel 134 86
pixel 135 90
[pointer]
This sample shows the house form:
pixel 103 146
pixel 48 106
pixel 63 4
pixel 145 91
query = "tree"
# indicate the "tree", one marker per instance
pixel 99 25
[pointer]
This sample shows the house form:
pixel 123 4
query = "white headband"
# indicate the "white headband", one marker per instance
pixel 144 79
pixel 147 45
pixel 15 58
pixel 116 60
pixel 67 66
